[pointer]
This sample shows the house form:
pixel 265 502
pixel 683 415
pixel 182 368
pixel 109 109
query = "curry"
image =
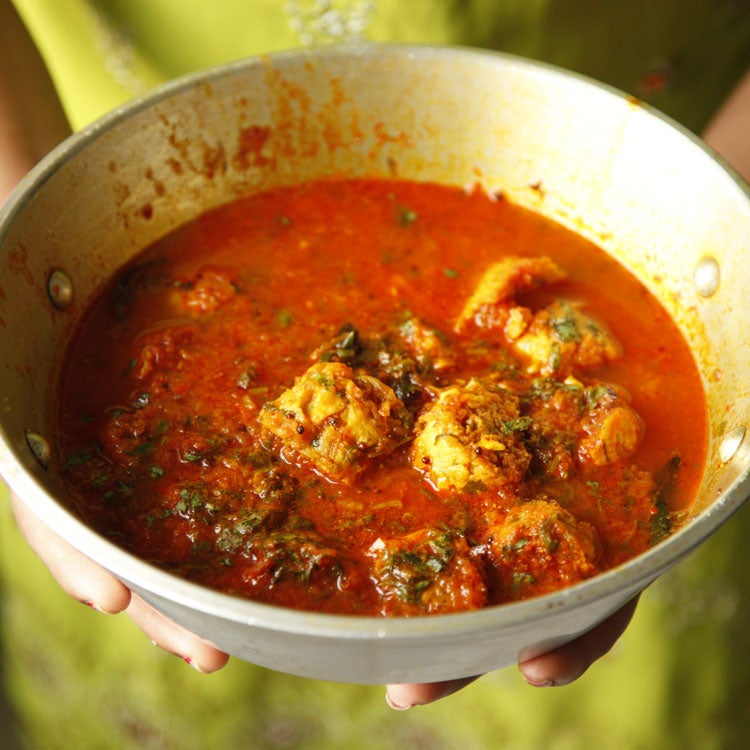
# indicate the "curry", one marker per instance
pixel 379 397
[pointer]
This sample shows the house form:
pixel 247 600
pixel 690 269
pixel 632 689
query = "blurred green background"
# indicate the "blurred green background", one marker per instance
pixel 678 680
pixel 680 677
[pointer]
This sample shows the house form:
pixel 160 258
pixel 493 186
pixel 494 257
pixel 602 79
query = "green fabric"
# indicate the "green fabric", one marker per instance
pixel 679 679
pixel 680 55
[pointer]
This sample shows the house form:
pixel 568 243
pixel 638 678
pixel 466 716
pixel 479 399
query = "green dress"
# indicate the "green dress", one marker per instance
pixel 679 678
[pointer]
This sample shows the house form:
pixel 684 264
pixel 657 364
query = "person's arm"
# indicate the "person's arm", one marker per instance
pixel 32 120
pixel 94 586
pixel 728 132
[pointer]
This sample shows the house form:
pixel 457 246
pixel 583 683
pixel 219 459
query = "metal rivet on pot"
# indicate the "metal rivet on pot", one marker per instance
pixel 731 443
pixel 39 447
pixel 707 276
pixel 60 289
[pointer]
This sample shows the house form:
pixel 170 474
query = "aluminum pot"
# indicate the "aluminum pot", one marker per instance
pixel 589 157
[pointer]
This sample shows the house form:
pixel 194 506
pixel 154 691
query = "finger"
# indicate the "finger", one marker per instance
pixel 175 639
pixel 76 574
pixel 558 667
pixel 403 696
pixel 567 663
pixel 88 582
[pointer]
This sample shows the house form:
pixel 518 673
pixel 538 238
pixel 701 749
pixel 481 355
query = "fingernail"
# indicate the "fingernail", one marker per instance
pixel 95 607
pixel 395 706
pixel 542 683
pixel 194 664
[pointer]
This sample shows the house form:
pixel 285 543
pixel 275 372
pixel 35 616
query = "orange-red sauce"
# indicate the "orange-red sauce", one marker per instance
pixel 159 436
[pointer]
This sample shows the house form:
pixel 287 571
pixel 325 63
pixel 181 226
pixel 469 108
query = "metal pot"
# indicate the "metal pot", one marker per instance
pixel 597 161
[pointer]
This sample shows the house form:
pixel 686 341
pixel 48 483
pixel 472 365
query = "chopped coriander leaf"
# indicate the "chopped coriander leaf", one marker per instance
pixel 192 497
pixel 555 357
pixel 566 329
pixel 661 524
pixel 344 347
pixel 474 486
pixel 162 426
pixel 517 424
pixel 406 216
pixel 594 394
pixel 125 489
pixel 666 482
pixel 201 547
pixel 521 579
pixel 519 544
pixel 77 458
pixel 408 572
pixel 141 449
pixel 100 479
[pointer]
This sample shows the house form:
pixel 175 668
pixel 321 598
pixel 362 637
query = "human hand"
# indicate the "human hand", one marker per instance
pixel 91 584
pixel 561 666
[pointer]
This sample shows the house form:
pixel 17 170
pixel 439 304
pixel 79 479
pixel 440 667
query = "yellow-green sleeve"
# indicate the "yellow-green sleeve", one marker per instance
pixel 682 56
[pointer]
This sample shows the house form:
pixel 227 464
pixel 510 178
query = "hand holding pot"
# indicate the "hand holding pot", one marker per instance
pixel 92 585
